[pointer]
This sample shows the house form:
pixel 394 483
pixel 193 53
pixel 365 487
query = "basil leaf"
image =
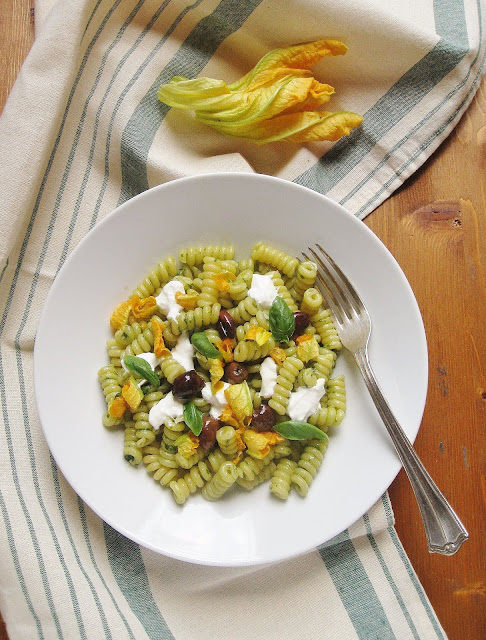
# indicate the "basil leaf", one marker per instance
pixel 142 369
pixel 296 430
pixel 203 345
pixel 281 320
pixel 193 418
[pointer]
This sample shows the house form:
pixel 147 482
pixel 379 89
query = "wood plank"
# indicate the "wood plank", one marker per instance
pixel 436 228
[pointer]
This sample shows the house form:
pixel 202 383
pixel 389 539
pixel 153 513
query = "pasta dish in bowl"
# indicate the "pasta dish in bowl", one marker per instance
pixel 205 357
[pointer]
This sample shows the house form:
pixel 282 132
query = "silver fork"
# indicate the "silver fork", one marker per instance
pixel 444 531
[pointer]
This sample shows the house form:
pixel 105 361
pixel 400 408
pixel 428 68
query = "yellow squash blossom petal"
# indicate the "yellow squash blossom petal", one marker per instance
pixel 285 94
pixel 132 394
pixel 143 309
pixel 225 348
pixel 187 444
pixel 216 371
pixel 117 408
pixel 308 126
pixel 228 417
pixel 239 399
pixel 258 443
pixel 222 280
pixel 160 349
pixel 278 355
pixel 120 315
pixel 298 58
pixel 307 349
pixel 258 334
pixel 187 300
pixel 276 100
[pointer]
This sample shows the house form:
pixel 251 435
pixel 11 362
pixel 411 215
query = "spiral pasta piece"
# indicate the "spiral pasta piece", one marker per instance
pixel 197 476
pixel 264 474
pixel 209 289
pixel 128 333
pixel 142 343
pixel 333 406
pixel 238 288
pixel 307 378
pixel 275 258
pixel 287 375
pixel 131 451
pixel 324 325
pixel 308 465
pixel 195 319
pixel 115 352
pixel 244 311
pixel 227 440
pixel 155 467
pixel 194 256
pixel 157 278
pixel 305 277
pixel 171 369
pixel 110 385
pixel 187 463
pixel 282 290
pixel 250 350
pixel 223 479
pixel 247 264
pixel 311 301
pixel 145 433
pixel 250 467
pixel 168 450
pixel 324 363
pixel 281 479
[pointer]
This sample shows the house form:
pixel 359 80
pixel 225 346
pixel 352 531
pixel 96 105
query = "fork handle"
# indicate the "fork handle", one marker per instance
pixel 444 531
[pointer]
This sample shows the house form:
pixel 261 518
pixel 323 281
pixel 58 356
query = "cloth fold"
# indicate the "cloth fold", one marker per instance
pixel 83 131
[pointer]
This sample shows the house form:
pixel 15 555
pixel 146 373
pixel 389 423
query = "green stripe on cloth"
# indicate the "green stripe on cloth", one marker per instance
pixel 396 103
pixel 389 577
pixel 128 568
pixel 418 587
pixel 114 113
pixel 439 131
pixel 22 502
pixel 23 250
pixel 190 59
pixel 18 570
pixel 356 591
pixel 84 525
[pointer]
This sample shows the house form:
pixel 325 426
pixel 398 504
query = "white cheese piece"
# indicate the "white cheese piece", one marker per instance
pixel 169 408
pixel 217 400
pixel 305 401
pixel 268 372
pixel 166 299
pixel 262 290
pixel 183 352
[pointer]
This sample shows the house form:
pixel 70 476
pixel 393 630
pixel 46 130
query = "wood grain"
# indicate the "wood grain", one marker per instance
pixel 435 226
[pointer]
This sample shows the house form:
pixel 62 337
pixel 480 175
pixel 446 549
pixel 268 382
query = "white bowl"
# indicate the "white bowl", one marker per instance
pixel 242 209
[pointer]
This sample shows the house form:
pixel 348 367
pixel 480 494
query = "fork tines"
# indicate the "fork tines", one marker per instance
pixel 339 293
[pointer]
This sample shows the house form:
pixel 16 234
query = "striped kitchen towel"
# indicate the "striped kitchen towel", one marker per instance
pixel 82 132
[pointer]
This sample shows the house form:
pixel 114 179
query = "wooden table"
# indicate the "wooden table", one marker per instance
pixel 435 226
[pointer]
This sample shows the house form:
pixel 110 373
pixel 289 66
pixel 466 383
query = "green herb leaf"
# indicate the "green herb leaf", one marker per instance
pixel 296 430
pixel 193 418
pixel 281 320
pixel 142 369
pixel 203 345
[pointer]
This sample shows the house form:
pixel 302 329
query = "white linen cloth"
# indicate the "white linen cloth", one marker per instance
pixel 81 132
